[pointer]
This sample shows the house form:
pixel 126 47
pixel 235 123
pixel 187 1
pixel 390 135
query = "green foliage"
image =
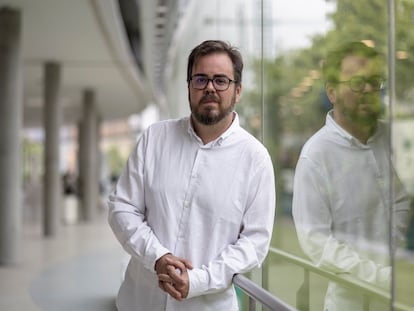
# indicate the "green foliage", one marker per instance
pixel 404 42
pixel 290 104
pixel 369 20
pixel 293 107
pixel 32 156
pixel 293 99
pixel 116 161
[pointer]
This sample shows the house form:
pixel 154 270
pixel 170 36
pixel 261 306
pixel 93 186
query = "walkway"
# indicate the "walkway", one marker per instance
pixel 80 269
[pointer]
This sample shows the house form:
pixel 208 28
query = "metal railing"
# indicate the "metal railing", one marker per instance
pixel 368 291
pixel 258 294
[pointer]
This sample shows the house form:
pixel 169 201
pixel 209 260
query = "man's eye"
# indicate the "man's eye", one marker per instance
pixel 220 81
pixel 201 80
pixel 376 81
pixel 358 81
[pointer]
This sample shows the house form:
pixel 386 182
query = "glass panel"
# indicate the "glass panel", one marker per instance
pixel 235 21
pixel 403 143
pixel 238 22
pixel 285 44
pixel 294 109
pixel 347 195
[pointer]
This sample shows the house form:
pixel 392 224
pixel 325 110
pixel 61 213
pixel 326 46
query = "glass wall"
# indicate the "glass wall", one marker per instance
pixel 351 186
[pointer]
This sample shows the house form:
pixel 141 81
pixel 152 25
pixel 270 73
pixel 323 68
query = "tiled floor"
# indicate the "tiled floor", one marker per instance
pixel 79 269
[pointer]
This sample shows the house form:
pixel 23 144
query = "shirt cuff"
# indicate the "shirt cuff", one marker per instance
pixel 156 254
pixel 384 277
pixel 198 280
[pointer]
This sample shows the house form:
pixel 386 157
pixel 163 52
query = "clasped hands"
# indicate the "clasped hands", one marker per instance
pixel 172 275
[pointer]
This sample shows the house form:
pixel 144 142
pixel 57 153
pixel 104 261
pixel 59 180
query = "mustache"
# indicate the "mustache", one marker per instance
pixel 209 98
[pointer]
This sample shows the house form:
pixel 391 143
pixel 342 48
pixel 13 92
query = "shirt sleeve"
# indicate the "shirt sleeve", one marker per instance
pixel 313 221
pixel 402 211
pixel 252 246
pixel 126 214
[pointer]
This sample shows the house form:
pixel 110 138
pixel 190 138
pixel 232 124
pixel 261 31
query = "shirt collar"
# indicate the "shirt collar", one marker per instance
pixel 336 128
pixel 235 125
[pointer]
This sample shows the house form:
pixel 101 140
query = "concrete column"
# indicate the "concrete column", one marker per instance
pixel 81 169
pixel 88 157
pixel 99 161
pixel 10 138
pixel 52 183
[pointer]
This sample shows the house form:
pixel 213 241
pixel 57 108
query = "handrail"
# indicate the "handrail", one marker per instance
pixel 343 279
pixel 257 293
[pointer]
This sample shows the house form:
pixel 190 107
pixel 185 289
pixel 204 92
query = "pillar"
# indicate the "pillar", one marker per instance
pixel 52 183
pixel 99 172
pixel 88 157
pixel 10 139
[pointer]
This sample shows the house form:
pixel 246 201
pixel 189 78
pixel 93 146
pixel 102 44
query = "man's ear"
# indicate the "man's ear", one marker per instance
pixel 330 92
pixel 188 92
pixel 238 92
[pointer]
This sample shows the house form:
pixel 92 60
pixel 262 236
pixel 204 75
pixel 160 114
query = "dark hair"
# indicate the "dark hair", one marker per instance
pixel 333 62
pixel 216 46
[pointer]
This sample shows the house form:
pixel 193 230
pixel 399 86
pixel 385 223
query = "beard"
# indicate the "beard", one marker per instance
pixel 366 112
pixel 208 115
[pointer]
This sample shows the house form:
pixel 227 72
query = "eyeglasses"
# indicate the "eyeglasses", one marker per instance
pixel 358 83
pixel 220 82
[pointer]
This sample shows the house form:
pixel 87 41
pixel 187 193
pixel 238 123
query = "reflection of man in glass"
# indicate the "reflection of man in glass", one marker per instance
pixel 342 190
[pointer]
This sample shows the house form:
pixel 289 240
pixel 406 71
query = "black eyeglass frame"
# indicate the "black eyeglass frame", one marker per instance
pixel 377 83
pixel 216 86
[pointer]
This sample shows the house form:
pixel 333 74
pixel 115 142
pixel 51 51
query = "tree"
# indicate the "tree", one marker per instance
pixel 295 104
pixel 368 20
pixel 294 101
pixel 115 161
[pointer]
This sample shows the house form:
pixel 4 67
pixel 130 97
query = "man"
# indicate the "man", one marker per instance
pixel 342 200
pixel 195 204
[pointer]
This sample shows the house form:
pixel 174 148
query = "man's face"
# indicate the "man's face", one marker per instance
pixel 210 106
pixel 362 107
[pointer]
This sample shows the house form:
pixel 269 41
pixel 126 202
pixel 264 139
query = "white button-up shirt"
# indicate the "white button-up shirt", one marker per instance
pixel 212 204
pixel 341 208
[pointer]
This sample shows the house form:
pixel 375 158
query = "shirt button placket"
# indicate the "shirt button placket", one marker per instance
pixel 186 203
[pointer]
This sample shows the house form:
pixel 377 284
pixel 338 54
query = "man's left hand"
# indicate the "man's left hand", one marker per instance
pixel 175 283
pixel 173 276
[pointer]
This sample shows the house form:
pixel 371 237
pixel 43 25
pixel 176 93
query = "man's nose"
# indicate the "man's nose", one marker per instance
pixel 210 85
pixel 368 88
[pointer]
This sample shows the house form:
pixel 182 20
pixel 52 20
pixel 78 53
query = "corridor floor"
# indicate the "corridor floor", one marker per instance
pixel 78 269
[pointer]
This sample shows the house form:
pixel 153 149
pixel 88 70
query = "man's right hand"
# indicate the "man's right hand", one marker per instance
pixel 172 275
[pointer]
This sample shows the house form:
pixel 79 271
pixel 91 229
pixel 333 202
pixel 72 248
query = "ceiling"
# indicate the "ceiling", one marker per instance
pixel 96 51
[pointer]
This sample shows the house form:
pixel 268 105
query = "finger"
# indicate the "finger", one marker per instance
pixel 176 262
pixel 178 284
pixel 187 264
pixel 176 275
pixel 165 278
pixel 161 263
pixel 180 281
pixel 174 270
pixel 172 291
